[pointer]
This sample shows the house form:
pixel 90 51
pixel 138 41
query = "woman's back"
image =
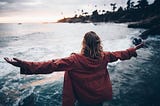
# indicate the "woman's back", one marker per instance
pixel 89 81
pixel 86 77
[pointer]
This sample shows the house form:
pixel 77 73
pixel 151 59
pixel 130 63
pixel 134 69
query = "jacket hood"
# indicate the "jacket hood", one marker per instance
pixel 90 63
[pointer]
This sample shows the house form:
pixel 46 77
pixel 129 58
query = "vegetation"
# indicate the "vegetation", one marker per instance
pixel 143 14
pixel 131 13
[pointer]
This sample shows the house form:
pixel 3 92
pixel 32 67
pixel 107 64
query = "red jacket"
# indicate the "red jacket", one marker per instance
pixel 85 79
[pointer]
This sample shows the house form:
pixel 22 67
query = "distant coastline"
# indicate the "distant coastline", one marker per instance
pixel 142 15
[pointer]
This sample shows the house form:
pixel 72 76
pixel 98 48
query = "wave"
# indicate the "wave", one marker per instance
pixel 128 77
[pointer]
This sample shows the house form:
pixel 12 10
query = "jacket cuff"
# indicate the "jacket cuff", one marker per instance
pixel 24 69
pixel 132 52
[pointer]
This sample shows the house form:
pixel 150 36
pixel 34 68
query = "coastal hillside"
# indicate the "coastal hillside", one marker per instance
pixel 140 14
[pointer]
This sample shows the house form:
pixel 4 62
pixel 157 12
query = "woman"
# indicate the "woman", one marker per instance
pixel 86 77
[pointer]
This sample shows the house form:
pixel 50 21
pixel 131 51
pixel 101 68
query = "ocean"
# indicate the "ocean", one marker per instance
pixel 135 82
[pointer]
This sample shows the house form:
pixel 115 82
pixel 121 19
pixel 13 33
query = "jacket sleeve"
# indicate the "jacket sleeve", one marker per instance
pixel 63 64
pixel 122 55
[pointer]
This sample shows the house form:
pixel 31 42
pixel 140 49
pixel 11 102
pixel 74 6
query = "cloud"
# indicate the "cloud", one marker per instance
pixel 18 4
pixel 17 1
pixel 11 7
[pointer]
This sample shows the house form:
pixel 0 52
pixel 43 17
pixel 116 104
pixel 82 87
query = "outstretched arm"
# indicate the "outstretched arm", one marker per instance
pixel 42 67
pixel 32 67
pixel 124 55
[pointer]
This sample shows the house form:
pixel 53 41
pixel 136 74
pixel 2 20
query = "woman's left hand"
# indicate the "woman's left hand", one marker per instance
pixel 15 62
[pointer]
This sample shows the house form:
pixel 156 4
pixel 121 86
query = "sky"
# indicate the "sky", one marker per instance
pixel 20 11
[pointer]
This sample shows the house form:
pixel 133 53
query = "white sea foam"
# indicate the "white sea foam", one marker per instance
pixel 41 42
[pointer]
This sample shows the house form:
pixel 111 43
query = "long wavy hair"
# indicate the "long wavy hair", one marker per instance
pixel 91 46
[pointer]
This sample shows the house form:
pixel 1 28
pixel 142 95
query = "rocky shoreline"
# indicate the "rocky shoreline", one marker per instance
pixel 152 25
pixel 141 16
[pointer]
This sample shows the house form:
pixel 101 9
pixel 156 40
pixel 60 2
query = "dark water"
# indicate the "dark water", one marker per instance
pixel 48 95
pixel 140 84
pixel 135 82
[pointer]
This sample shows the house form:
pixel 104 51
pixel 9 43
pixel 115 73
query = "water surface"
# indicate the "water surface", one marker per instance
pixel 135 82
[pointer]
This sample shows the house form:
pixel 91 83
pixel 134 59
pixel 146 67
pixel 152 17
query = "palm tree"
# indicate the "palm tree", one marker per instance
pixel 113 5
pixel 128 4
pixel 142 3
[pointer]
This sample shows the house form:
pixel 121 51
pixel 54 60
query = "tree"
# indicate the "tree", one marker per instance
pixel 113 5
pixel 128 4
pixel 120 9
pixel 95 13
pixel 132 4
pixel 157 2
pixel 142 4
pixel 103 11
pixel 156 6
pixel 95 16
pixel 85 13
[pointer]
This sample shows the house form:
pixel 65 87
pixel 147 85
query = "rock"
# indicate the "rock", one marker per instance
pixel 150 32
pixel 147 23
pixel 152 25
pixel 136 41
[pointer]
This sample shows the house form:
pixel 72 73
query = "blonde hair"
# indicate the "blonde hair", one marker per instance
pixel 91 46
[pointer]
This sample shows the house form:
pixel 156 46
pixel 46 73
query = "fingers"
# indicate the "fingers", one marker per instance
pixel 18 60
pixel 7 59
pixel 13 61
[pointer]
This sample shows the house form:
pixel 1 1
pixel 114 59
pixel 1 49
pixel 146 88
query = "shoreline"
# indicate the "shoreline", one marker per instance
pixel 152 26
pixel 145 16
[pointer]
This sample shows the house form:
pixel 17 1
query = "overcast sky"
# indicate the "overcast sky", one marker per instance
pixel 50 10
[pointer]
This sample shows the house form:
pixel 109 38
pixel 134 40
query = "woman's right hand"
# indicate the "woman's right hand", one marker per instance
pixel 15 62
